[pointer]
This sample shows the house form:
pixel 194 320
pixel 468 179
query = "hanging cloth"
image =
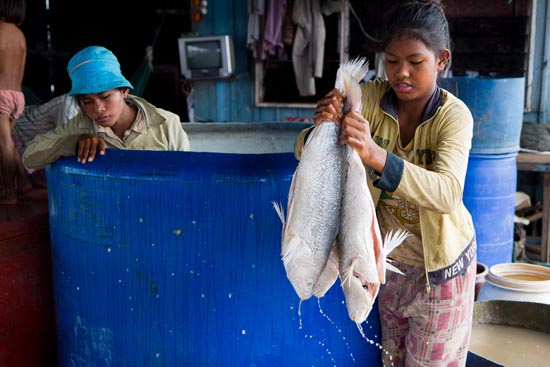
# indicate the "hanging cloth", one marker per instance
pixel 309 45
pixel 256 10
pixel 273 32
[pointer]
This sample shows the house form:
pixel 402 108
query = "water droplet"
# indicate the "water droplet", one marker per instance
pixel 77 288
pixel 141 220
pixel 108 249
pixel 243 332
pixel 230 295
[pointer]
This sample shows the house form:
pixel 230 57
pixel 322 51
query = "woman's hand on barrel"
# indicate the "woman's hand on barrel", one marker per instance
pixel 329 108
pixel 89 146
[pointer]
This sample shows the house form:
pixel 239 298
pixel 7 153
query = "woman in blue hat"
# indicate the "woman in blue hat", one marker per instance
pixel 111 117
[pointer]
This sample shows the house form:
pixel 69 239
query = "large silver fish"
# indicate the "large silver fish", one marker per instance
pixel 313 208
pixel 361 253
pixel 315 199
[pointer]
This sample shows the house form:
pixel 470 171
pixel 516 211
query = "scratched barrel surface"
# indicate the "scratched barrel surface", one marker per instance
pixel 173 259
pixel 496 104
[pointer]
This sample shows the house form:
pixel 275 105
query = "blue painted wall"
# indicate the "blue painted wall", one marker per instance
pixel 233 101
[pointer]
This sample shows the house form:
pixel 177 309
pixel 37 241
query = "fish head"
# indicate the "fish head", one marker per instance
pixel 302 276
pixel 360 298
pixel 304 289
pixel 300 269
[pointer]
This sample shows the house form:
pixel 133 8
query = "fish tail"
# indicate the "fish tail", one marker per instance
pixel 354 95
pixel 352 73
pixel 354 69
pixel 392 240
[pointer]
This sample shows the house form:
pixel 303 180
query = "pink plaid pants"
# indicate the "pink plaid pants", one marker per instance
pixel 426 329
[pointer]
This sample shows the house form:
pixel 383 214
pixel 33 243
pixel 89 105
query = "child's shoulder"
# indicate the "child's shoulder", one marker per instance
pixel 11 36
pixel 375 88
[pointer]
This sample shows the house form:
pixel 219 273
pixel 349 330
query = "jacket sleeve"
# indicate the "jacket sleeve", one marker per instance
pixel 437 182
pixel 46 148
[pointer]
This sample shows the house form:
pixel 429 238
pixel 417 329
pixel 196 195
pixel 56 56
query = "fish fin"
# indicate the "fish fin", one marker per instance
pixel 349 274
pixel 279 209
pixel 393 268
pixel 392 240
pixel 290 252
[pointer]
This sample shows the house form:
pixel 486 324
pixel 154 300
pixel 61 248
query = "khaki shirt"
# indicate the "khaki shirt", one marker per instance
pixel 153 129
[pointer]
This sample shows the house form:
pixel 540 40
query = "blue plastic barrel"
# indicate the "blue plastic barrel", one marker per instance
pixel 490 196
pixel 173 259
pixel 497 108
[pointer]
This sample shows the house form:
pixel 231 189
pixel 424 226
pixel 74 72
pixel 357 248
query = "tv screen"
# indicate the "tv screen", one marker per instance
pixel 204 55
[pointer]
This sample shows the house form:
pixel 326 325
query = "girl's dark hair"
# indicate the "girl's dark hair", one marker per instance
pixel 421 20
pixel 13 11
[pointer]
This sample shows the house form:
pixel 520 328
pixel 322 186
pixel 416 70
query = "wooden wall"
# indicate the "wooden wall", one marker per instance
pixel 233 101
pixel 490 38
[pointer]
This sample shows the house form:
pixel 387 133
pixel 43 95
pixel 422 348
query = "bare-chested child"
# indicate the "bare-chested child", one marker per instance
pixel 13 53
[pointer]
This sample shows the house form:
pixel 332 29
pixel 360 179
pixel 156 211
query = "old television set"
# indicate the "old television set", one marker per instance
pixel 206 57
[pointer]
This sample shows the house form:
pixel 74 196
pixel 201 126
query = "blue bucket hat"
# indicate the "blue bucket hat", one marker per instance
pixel 94 70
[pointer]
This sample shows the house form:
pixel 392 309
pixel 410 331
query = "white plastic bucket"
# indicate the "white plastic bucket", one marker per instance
pixel 517 282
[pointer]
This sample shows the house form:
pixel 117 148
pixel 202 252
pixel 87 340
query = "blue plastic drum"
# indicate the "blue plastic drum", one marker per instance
pixel 497 106
pixel 173 259
pixel 490 196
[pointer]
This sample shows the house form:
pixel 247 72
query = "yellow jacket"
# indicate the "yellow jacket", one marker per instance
pixel 434 181
pixel 154 129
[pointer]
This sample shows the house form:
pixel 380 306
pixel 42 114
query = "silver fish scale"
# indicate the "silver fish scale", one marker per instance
pixel 321 185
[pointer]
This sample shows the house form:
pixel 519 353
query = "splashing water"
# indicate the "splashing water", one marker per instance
pixel 372 342
pixel 300 315
pixel 326 316
pixel 322 343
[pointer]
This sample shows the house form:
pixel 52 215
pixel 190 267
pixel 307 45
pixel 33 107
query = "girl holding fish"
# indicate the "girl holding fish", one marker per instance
pixel 413 139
